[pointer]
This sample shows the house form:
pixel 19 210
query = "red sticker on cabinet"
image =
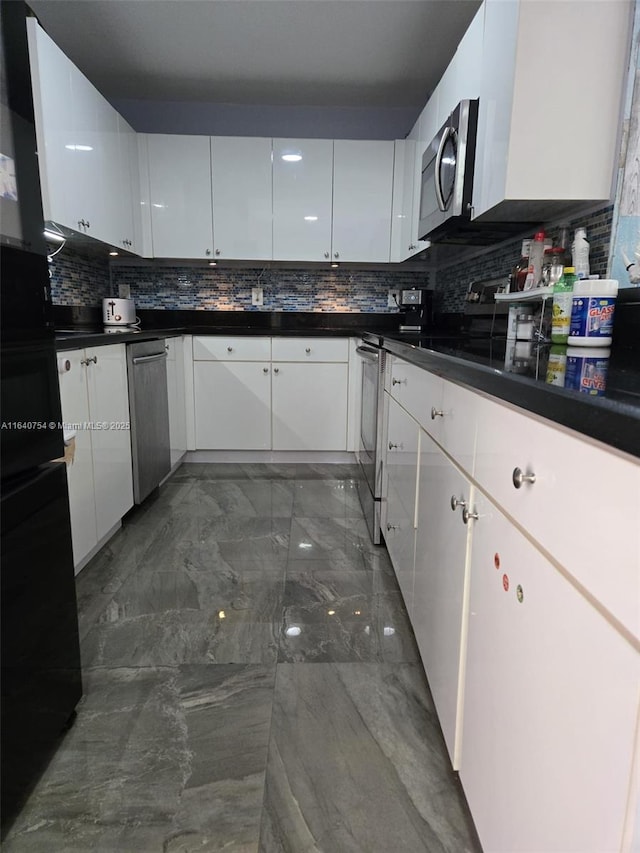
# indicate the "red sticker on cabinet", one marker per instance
pixel 505 582
pixel 496 560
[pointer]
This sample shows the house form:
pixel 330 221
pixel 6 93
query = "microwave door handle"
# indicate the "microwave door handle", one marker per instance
pixel 439 195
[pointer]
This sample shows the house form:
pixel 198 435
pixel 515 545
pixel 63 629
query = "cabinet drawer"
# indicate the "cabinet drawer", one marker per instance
pixel 417 391
pixel 213 348
pixel 583 507
pixel 310 349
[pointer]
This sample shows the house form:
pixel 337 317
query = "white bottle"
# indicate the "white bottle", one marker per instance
pixel 580 253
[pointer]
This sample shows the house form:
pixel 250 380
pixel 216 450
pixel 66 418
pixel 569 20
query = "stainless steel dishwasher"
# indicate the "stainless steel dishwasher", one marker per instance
pixel 149 413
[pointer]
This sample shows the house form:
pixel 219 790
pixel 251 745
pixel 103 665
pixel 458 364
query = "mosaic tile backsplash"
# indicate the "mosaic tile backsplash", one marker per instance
pixel 79 280
pixel 452 282
pixel 222 289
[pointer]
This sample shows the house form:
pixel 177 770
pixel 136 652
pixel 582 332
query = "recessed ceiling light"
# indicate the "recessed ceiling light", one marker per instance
pixel 213 263
pixel 311 218
pixel 292 158
pixel 334 266
pixel 113 254
pixel 79 147
pixel 53 236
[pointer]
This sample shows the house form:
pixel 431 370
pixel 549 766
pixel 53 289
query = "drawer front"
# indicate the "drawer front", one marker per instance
pixel 455 427
pixel 213 348
pixel 583 508
pixel 310 349
pixel 417 391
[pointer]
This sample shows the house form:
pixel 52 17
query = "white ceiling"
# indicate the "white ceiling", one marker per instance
pixel 330 53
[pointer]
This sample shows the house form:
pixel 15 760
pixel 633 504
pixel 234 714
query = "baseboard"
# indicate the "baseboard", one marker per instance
pixel 327 457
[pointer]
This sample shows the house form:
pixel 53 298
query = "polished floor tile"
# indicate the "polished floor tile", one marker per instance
pixel 251 683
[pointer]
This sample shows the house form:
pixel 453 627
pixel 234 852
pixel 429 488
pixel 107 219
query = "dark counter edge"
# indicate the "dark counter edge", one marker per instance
pixel 613 423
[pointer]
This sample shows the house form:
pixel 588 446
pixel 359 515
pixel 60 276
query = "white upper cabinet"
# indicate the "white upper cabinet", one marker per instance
pixel 86 185
pixel 128 185
pixel 302 199
pixel 180 196
pixel 362 191
pixel 51 76
pixel 468 61
pixel 549 117
pixel 242 197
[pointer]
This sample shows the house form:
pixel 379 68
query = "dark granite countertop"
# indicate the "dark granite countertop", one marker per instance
pixel 612 416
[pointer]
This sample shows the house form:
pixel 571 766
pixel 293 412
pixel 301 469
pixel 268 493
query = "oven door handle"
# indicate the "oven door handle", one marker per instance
pixel 368 353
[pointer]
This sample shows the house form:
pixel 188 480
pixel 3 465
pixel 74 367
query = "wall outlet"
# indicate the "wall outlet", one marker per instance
pixel 393 299
pixel 257 296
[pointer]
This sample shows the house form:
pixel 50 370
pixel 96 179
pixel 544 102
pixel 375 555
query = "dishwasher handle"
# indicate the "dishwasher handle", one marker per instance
pixel 368 353
pixel 145 359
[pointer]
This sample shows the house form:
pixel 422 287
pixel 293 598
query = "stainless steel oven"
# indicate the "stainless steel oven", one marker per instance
pixel 369 453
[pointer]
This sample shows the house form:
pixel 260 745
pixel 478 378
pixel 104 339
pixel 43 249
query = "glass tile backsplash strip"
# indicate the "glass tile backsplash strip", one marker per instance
pixel 452 282
pixel 78 280
pixel 283 290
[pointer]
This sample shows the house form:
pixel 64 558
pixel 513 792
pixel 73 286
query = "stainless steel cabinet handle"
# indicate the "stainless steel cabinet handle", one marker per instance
pixel 217 251
pixel 166 346
pixel 455 503
pixel 265 369
pixel 518 478
pixel 308 350
pixel 207 251
pixel 466 515
pixel 92 360
pixel 392 526
pixel 398 381
pixel 229 349
pixel 436 413
pixel 276 370
pixel 392 446
pixel 336 254
pixel 326 254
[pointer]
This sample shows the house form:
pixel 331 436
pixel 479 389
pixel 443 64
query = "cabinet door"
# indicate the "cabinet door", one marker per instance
pixel 75 413
pixel 232 405
pixel 362 194
pixel 309 404
pixel 111 439
pixel 84 186
pixel 469 60
pixel 440 587
pixel 176 397
pixel 496 99
pixel 242 197
pixel 128 183
pixel 550 707
pixel 302 198
pixel 180 196
pixel 51 82
pixel 399 509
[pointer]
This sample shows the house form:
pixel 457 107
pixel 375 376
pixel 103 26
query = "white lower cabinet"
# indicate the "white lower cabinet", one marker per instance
pixel 176 398
pixel 440 588
pixel 551 699
pixel 232 405
pixel 309 406
pixel 95 405
pixel 534 673
pixel 248 397
pixel 399 509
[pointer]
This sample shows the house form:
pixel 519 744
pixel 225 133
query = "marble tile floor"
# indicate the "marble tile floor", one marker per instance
pixel 251 684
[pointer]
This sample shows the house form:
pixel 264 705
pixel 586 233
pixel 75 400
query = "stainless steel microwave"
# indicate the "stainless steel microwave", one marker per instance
pixel 447 177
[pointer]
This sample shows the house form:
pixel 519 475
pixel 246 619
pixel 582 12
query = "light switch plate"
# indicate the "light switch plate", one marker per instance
pixel 257 296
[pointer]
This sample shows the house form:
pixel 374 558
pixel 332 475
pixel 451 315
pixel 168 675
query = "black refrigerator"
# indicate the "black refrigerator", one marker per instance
pixel 41 680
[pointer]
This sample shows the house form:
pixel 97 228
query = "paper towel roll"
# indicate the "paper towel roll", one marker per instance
pixel 64 365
